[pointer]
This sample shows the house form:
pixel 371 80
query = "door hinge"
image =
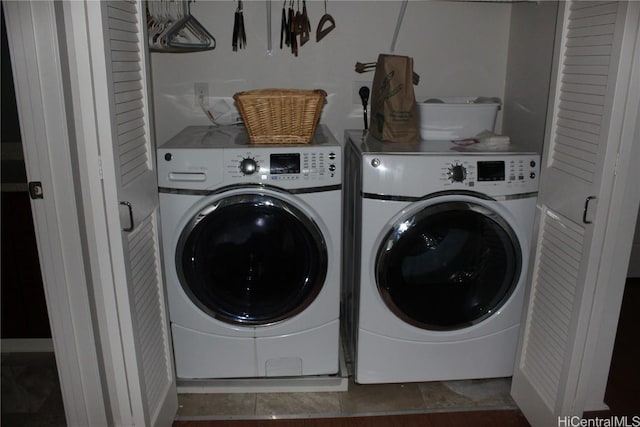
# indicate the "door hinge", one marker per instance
pixel 100 168
pixel 35 190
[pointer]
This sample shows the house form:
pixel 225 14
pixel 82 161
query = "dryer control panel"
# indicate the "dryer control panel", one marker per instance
pixel 416 175
pixel 510 169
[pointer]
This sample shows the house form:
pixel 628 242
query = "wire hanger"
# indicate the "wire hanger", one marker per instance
pixel 320 32
pixel 177 31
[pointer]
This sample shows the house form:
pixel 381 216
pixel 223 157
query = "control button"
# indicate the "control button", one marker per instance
pixel 532 163
pixel 168 157
pixel 332 167
pixel 375 162
pixel 533 175
pixel 332 156
pixel 248 166
pixel 457 173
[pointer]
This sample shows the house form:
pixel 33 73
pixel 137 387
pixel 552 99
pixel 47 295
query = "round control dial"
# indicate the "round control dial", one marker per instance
pixel 457 173
pixel 248 166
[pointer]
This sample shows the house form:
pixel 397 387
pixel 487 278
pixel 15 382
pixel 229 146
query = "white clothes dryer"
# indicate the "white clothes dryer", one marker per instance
pixel 252 253
pixel 436 246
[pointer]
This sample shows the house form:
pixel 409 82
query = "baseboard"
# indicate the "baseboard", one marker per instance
pixel 595 407
pixel 27 345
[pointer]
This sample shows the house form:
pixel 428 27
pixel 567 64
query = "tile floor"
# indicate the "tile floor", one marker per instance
pixel 30 393
pixel 370 399
pixel 31 397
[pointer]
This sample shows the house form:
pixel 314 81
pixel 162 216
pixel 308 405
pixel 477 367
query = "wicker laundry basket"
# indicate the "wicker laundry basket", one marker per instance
pixel 280 116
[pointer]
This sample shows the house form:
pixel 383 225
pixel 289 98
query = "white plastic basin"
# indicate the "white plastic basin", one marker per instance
pixel 456 118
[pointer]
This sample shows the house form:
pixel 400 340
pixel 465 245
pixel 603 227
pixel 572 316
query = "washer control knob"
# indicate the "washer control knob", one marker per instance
pixel 248 166
pixel 375 162
pixel 457 173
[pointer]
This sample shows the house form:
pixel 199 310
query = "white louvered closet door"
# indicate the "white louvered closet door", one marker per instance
pixel 137 269
pixel 590 82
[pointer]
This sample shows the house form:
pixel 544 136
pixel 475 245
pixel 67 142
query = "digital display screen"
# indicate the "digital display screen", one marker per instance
pixel 285 163
pixel 491 171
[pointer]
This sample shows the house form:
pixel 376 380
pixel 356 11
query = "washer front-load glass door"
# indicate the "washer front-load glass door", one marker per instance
pixel 251 259
pixel 448 266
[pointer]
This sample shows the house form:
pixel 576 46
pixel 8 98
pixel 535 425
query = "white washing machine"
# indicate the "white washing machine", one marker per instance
pixel 437 241
pixel 252 253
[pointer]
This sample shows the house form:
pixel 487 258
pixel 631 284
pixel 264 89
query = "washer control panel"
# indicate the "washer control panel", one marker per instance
pixel 205 158
pixel 289 167
pixel 283 164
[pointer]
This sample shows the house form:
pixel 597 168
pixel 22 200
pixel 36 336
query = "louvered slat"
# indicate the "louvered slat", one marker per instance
pixel 131 145
pixel 127 86
pixel 132 165
pixel 127 6
pixel 603 40
pixel 126 46
pixel 128 96
pixel 590 50
pixel 583 88
pixel 597 110
pixel 590 31
pixel 130 116
pixel 125 36
pixel 118 24
pixel 593 20
pixel 147 293
pixel 133 173
pixel 123 15
pixel 134 134
pixel 563 294
pixel 582 138
pixel 577 153
pixel 563 242
pixel 125 77
pixel 131 155
pixel 581 117
pixel 128 106
pixel 118 55
pixel 125 66
pixel 581 9
pixel 548 355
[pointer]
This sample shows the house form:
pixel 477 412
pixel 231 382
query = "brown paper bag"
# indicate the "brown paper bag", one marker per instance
pixel 394 114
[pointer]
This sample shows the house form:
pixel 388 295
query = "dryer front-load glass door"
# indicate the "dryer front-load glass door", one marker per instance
pixel 251 259
pixel 448 266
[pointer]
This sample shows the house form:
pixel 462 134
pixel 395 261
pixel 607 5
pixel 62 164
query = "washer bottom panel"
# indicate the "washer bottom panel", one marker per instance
pixel 382 359
pixel 310 352
pixel 200 355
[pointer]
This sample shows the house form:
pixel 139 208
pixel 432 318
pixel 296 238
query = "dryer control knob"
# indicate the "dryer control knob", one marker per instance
pixel 248 166
pixel 457 173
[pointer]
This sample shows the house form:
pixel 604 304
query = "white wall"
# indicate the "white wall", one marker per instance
pixel 459 49
pixel 529 72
